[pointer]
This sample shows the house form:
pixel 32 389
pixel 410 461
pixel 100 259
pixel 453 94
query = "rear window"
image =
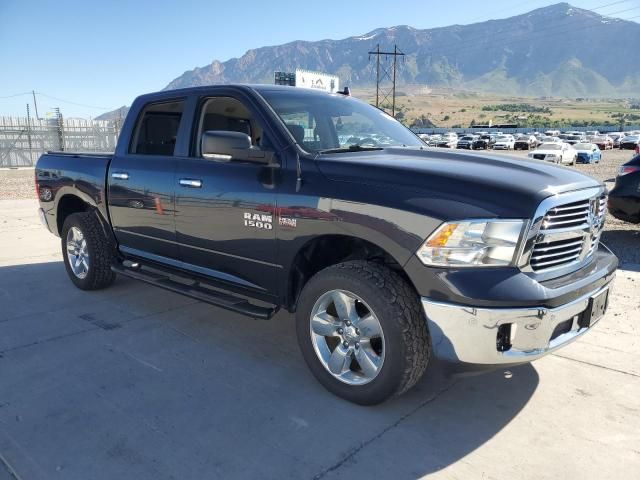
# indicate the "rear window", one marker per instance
pixel 157 129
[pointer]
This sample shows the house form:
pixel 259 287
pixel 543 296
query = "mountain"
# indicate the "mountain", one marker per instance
pixel 559 50
pixel 118 114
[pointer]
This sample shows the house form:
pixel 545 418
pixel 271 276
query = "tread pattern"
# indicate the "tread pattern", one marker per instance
pixel 101 250
pixel 402 298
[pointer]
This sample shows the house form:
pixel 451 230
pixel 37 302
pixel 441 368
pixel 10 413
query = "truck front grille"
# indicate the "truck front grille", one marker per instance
pixel 569 233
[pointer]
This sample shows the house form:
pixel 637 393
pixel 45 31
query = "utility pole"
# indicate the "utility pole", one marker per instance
pixel 29 134
pixel 382 73
pixel 60 128
pixel 35 104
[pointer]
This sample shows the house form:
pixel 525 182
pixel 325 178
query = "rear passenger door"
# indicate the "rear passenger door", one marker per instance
pixel 142 183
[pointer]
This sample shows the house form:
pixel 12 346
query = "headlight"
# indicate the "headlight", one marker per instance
pixel 483 243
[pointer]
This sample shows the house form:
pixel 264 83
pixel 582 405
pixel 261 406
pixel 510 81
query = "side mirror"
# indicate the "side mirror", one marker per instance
pixel 224 146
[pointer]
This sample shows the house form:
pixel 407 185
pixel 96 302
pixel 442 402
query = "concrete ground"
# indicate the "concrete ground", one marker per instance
pixel 135 382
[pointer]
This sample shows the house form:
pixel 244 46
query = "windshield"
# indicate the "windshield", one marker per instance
pixel 550 146
pixel 337 123
pixel 503 139
pixel 582 146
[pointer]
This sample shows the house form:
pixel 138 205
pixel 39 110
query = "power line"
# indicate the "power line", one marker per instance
pixel 16 95
pixel 73 103
pixel 382 72
pixel 55 98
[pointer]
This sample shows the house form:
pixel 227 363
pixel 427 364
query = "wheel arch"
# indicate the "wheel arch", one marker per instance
pixel 325 250
pixel 72 202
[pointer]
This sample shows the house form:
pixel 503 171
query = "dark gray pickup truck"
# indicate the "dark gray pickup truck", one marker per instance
pixel 256 198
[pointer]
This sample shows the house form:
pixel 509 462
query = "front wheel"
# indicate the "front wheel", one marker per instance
pixel 87 252
pixel 362 332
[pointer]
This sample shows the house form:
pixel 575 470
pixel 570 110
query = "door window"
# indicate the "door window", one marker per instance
pixel 157 129
pixel 230 115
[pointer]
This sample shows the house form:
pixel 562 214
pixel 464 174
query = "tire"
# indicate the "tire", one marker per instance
pixel 401 350
pixel 94 249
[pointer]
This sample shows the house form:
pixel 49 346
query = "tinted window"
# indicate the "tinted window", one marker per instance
pixel 157 129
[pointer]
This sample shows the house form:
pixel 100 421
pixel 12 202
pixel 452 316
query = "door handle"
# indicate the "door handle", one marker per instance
pixel 190 182
pixel 120 175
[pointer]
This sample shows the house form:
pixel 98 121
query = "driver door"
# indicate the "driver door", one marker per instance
pixel 225 210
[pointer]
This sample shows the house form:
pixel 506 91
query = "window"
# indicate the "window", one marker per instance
pixel 157 129
pixel 230 115
pixel 318 121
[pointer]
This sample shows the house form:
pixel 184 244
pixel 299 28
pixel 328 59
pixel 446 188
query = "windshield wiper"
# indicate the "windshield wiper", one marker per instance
pixel 350 148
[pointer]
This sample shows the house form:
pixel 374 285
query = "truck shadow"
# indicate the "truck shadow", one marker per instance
pixel 152 359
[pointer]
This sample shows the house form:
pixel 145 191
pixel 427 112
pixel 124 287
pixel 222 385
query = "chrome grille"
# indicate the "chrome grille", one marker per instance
pixel 568 233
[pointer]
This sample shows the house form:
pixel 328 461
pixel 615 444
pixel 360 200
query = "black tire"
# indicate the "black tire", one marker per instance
pixel 100 249
pixel 397 307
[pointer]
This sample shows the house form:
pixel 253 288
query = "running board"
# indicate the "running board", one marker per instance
pixel 222 300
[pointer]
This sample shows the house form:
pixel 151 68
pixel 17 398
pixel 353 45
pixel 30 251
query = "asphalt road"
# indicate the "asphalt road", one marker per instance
pixel 134 382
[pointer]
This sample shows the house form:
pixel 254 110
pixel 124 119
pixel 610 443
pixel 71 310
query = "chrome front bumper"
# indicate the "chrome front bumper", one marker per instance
pixel 462 334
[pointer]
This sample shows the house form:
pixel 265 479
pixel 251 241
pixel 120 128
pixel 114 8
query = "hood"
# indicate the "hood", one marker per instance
pixel 464 185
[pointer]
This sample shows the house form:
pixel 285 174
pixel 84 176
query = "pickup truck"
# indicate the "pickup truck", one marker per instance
pixel 390 254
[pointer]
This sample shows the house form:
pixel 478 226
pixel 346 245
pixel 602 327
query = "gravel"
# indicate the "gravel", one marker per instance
pixel 17 184
pixel 623 238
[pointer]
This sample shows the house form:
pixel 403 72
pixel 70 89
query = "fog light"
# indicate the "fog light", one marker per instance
pixel 503 338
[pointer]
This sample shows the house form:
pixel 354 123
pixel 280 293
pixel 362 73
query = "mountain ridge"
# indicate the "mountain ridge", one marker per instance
pixel 532 44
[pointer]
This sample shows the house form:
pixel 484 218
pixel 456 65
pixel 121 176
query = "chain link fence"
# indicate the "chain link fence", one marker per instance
pixel 23 140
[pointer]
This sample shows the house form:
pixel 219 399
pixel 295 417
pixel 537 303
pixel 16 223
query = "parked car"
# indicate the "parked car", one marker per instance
pixel 504 142
pixel 588 152
pixel 561 153
pixel 525 142
pixel 573 138
pixel 603 142
pixel 552 133
pixel 483 142
pixel 466 142
pixel 592 133
pixel 624 198
pixel 547 139
pixel 616 136
pixel 248 213
pixel 447 142
pixel 630 142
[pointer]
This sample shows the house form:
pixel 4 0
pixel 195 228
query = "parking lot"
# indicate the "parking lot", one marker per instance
pixel 136 382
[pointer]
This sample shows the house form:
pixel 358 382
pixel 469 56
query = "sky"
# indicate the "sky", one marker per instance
pixel 88 57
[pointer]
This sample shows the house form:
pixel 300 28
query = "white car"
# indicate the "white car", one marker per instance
pixel 561 153
pixel 504 142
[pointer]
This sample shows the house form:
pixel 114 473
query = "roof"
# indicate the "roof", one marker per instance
pixel 242 86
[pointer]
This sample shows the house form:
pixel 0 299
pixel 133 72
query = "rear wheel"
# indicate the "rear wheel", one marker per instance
pixel 87 252
pixel 362 332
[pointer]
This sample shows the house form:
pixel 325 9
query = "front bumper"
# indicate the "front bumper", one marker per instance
pixel 468 335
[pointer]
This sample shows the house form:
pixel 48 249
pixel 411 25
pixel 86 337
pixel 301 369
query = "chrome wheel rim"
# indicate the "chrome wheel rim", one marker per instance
pixel 77 252
pixel 347 337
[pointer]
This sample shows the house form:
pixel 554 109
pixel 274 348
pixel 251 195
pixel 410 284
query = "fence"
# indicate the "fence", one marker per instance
pixel 23 140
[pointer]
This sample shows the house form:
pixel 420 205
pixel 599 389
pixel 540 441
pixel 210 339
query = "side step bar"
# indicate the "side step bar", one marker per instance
pixel 223 300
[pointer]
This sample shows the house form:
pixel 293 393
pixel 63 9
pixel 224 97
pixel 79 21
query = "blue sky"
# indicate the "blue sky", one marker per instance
pixel 103 54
